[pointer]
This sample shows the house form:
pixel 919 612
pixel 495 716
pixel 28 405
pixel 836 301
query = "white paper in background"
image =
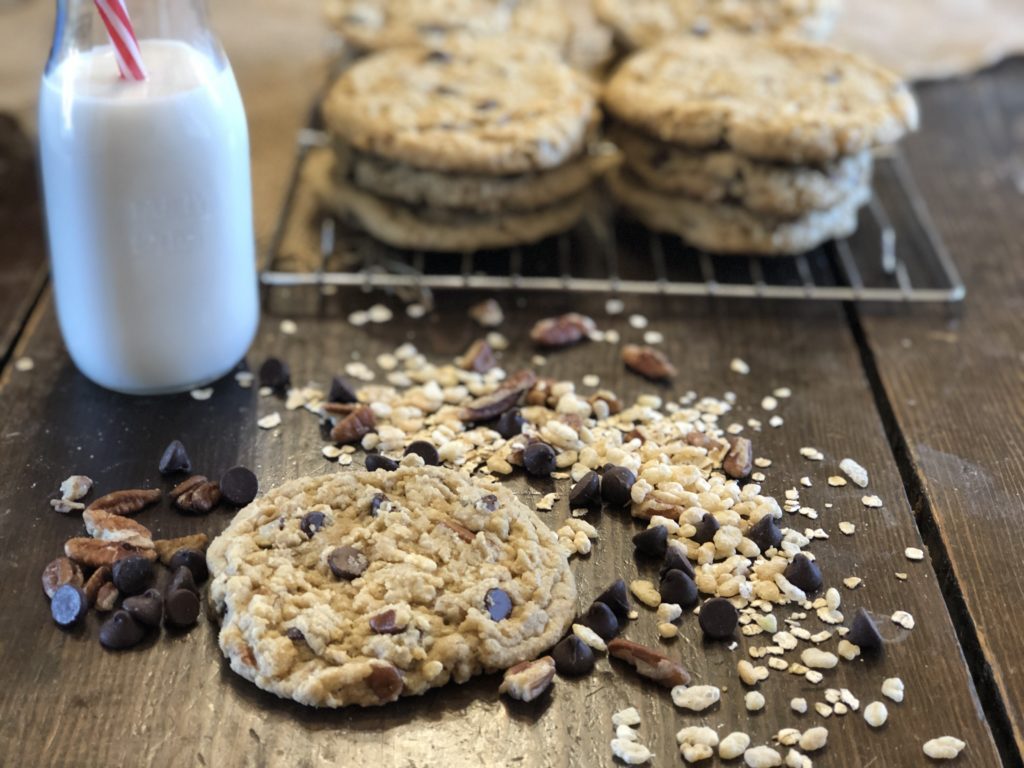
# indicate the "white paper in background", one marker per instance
pixel 933 39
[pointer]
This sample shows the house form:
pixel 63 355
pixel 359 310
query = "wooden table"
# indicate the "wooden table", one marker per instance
pixel 929 401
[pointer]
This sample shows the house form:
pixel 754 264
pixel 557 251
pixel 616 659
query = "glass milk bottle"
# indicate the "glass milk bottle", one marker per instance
pixel 148 199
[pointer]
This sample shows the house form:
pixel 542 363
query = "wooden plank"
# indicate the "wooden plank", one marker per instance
pixel 955 379
pixel 176 702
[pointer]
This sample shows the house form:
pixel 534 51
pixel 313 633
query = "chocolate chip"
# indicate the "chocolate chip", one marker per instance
pixel 174 459
pixel 69 605
pixel 616 486
pixel 718 618
pixel 803 573
pixel 498 604
pixel 133 575
pixel 376 502
pixel 707 527
pixel 384 623
pixel 147 608
pixel 488 503
pixel 425 451
pixel 653 542
pixel 377 461
pixel 295 635
pixel 616 597
pixel 61 571
pixel 341 391
pixel 766 534
pixel 239 486
pixel 192 559
pixel 676 560
pixel 601 618
pixel 539 459
pixel 181 608
pixel 510 424
pixel 677 587
pixel 274 374
pixel 312 523
pixel 385 681
pixel 864 632
pixel 182 578
pixel 573 657
pixel 121 631
pixel 347 563
pixel 586 494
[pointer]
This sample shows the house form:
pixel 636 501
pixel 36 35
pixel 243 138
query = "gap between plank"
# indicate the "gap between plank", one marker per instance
pixel 31 306
pixel 981 672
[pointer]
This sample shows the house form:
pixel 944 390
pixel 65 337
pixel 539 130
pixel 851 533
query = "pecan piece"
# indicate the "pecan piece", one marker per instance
pixel 561 331
pixel 61 571
pixel 385 681
pixel 165 548
pixel 608 398
pixel 355 426
pixel 95 553
pixel 700 439
pixel 479 358
pixel 490 406
pixel 540 392
pixel 460 530
pixel 99 577
pixel 106 597
pixel 109 527
pixel 197 494
pixel 522 380
pixel 127 502
pixel 528 680
pixel 649 362
pixel 64 506
pixel 739 461
pixel 333 410
pixel 75 487
pixel 650 663
pixel 386 623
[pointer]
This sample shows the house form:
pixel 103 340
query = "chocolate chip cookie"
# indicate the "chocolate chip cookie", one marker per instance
pixel 408 580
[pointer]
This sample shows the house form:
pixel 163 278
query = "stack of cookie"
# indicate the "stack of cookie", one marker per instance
pixel 751 144
pixel 642 23
pixel 475 145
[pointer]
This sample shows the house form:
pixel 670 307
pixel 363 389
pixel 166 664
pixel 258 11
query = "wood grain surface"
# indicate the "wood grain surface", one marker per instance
pixel 68 702
pixel 955 381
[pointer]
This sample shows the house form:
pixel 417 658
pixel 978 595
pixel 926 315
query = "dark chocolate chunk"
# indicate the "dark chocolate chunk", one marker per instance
pixel 347 563
pixel 147 608
pixel 121 631
pixel 653 542
pixel 312 523
pixel 133 575
pixel 766 534
pixel 182 578
pixel 174 459
pixel 573 657
pixel 677 587
pixel 601 618
pixel 295 635
pixel 384 623
pixel 864 632
pixel 676 560
pixel 488 503
pixel 586 494
pixel 181 608
pixel 376 461
pixel 718 618
pixel 192 559
pixel 425 451
pixel 616 597
pixel 803 573
pixel 706 529
pixel 385 681
pixel 539 459
pixel 616 486
pixel 274 374
pixel 239 485
pixel 69 605
pixel 510 424
pixel 341 391
pixel 498 604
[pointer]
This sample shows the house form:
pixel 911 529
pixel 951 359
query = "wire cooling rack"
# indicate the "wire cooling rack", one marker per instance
pixel 896 255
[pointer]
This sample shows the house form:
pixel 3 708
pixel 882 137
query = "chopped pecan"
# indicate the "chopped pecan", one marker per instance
pixel 197 494
pixel 528 680
pixel 490 406
pixel 333 410
pixel 650 663
pixel 385 681
pixel 479 358
pixel 649 362
pixel 609 398
pixel 385 623
pixel 106 597
pixel 75 487
pixel 355 426
pixel 61 571
pixel 127 502
pixel 739 461
pixel 634 434
pixel 95 553
pixel 165 548
pixel 540 393
pixel 66 505
pixel 110 527
pixel 92 587
pixel 522 380
pixel 700 439
pixel 562 331
pixel 460 530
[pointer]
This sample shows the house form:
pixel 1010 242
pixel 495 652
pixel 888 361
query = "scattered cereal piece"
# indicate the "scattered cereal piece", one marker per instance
pixel 269 421
pixel 653 337
pixel 852 582
pixel 796 760
pixel 733 745
pixel 823 709
pixel 739 366
pixel 591 380
pixel 903 619
pixel 497 341
pixel 805 481
pixel 667 630
pixel 892 688
pixel 379 313
pixel 847 528
pixel 855 472
pixel 798 705
pixel 787 736
pixel 901 576
pixel 590 637
pixel 331 452
pixel 876 714
pixel 696 698
pixel 815 658
pixel 415 311
pixel 769 403
pixel 627 716
pixel 848 650
pixel 202 394
pixel 812 454
pixel 638 321
pixel 245 379
pixel 913 553
pixel 871 502
pixel 289 327
pixel 837 481
pixel 762 757
pixel 645 592
pixel 358 318
pixel 944 748
pixel 814 739
pixel 783 392
pixel 487 314
pixel 763 463
pixel 630 752
pixel 775 422
pixel 24 364
pixel 754 701
pixel 614 306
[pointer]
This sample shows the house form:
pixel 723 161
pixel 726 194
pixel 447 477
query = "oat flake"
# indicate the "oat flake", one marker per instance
pixel 202 394
pixel 24 364
pixel 739 366
pixel 871 502
pixel 269 421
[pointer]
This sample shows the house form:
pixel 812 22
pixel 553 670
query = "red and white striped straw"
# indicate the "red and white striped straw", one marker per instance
pixel 122 35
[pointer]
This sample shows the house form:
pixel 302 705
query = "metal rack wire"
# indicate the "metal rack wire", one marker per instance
pixel 896 255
